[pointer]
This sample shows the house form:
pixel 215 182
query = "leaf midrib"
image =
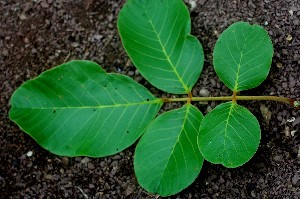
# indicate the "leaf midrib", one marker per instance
pixel 167 56
pixel 226 126
pixel 239 65
pixel 236 86
pixel 177 141
pixel 157 101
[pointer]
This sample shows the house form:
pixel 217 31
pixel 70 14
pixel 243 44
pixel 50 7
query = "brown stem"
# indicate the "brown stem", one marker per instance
pixel 190 96
pixel 294 103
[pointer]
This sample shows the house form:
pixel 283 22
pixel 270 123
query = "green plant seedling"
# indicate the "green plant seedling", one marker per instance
pixel 77 109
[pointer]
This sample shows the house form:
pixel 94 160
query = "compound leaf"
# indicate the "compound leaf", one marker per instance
pixel 156 36
pixel 167 158
pixel 229 135
pixel 243 56
pixel 78 109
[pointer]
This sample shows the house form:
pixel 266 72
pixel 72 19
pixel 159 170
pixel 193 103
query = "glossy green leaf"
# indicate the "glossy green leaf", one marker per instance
pixel 156 36
pixel 243 56
pixel 229 135
pixel 167 158
pixel 78 109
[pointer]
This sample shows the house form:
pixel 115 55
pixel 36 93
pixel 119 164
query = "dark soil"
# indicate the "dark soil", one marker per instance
pixel 37 35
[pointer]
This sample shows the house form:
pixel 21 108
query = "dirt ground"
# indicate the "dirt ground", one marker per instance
pixel 36 35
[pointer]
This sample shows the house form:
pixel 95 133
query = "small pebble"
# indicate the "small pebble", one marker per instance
pixel 65 161
pixel 26 40
pixel 91 186
pixel 5 52
pixel 114 163
pixel 296 180
pixel 85 160
pixel 29 153
pixel 74 44
pixel 292 82
pixel 48 177
pixel 213 82
pixel 117 157
pixel 22 16
pixel 98 37
pixel 44 5
pixel 284 85
pixel 131 73
pixel 91 166
pixel 296 121
pixel 204 92
pixel 278 158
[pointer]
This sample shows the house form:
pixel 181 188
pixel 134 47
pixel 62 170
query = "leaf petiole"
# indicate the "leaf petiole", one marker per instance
pixel 286 100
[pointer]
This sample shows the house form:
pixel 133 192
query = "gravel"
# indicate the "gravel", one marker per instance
pixel 37 35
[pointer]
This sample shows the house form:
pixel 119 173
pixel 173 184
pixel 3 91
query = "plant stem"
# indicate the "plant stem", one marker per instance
pixel 230 98
pixel 184 99
pixel 268 98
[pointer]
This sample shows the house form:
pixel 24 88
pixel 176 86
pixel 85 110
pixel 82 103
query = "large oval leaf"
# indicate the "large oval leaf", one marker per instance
pixel 156 36
pixel 243 56
pixel 78 109
pixel 229 135
pixel 167 158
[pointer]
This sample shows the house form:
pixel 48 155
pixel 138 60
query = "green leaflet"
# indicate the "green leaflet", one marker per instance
pixel 78 109
pixel 167 158
pixel 243 56
pixel 156 36
pixel 229 135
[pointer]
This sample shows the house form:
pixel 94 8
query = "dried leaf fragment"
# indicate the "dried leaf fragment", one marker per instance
pixel 266 113
pixel 287 131
pixel 289 37
pixel 279 65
